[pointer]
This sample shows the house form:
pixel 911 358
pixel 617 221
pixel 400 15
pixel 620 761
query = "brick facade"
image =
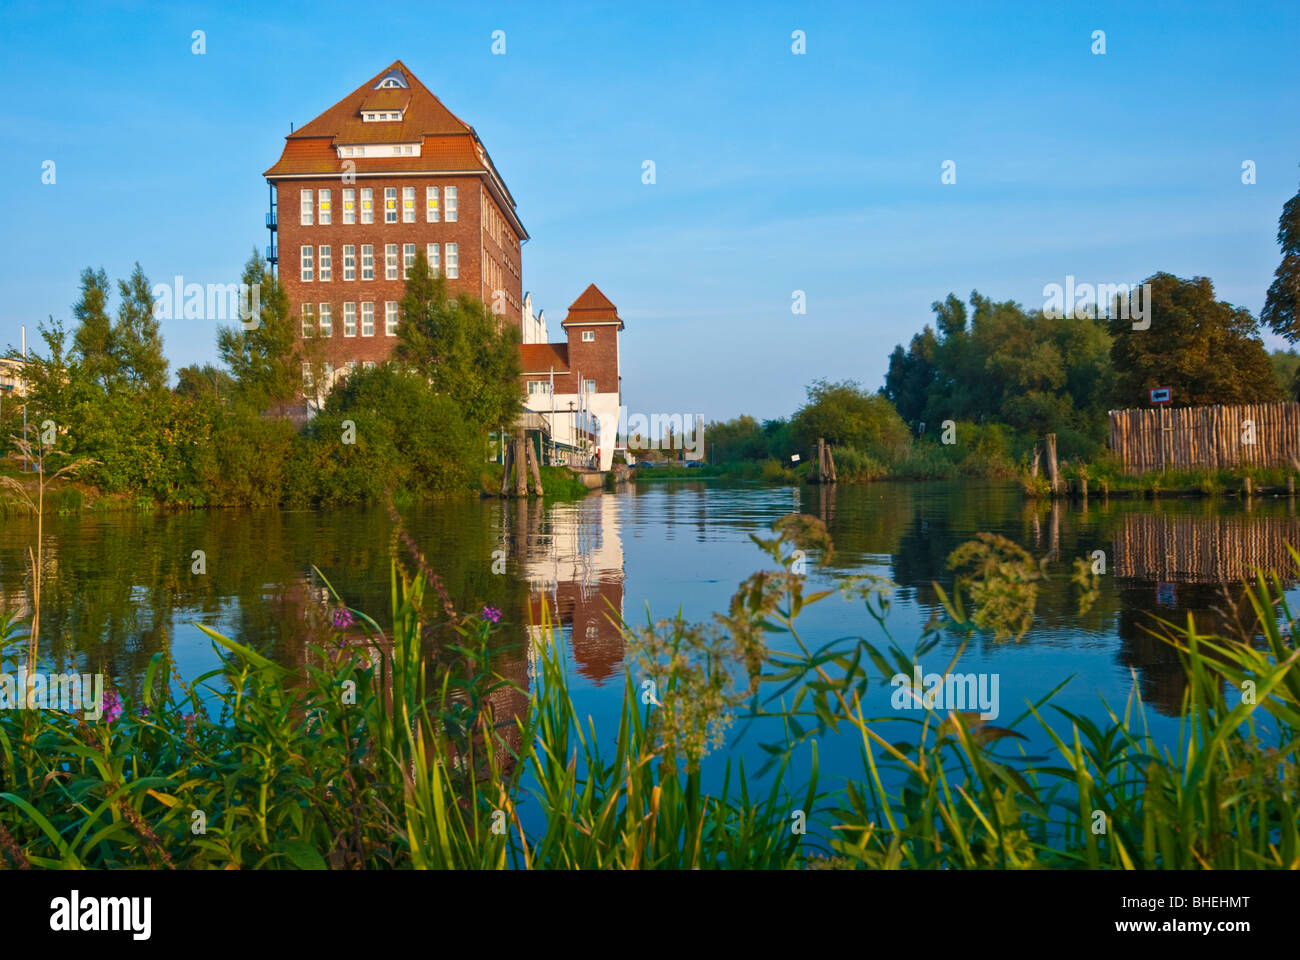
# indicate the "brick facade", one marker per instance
pixel 487 232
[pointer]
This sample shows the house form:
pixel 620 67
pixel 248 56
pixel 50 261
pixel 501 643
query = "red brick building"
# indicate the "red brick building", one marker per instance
pixel 587 395
pixel 387 171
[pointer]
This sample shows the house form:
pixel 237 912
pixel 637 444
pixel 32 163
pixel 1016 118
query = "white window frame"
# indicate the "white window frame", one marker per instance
pixel 390 261
pixel 408 204
pixel 325 260
pixel 589 386
pixel 589 336
pixel 433 252
pixel 451 196
pixel 367 364
pixel 350 206
pixel 453 260
pixel 308 262
pixel 305 214
pixel 308 320
pixel 431 212
pixel 390 318
pixel 349 261
pixel 349 319
pixel 324 207
pixel 367 261
pixel 368 318
pixel 307 383
pixel 408 259
pixel 325 321
pixel 390 204
pixel 367 205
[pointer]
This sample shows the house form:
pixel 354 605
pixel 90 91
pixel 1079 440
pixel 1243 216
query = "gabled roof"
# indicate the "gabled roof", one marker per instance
pixel 424 114
pixel 448 143
pixel 592 306
pixel 538 358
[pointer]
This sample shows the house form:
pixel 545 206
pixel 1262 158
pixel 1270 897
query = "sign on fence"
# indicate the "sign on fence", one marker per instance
pixel 1162 394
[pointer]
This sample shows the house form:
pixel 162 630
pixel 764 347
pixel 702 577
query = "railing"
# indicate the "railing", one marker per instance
pixel 273 254
pixel 271 220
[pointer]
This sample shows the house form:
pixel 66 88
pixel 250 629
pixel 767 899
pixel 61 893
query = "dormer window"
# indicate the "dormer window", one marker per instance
pixel 393 80
pixel 380 116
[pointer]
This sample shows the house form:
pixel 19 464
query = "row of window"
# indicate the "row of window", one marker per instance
pixel 323 323
pixel 318 206
pixel 328 369
pixel 543 387
pixel 318 262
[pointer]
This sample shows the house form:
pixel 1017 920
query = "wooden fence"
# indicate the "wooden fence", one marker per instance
pixel 1204 549
pixel 1257 435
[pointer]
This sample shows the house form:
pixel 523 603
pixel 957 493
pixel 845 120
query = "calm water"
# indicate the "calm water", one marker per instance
pixel 119 588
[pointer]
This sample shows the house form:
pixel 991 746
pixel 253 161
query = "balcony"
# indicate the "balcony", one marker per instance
pixel 271 220
pixel 273 254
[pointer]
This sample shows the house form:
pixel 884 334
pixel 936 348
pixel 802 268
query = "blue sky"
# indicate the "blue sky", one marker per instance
pixel 774 172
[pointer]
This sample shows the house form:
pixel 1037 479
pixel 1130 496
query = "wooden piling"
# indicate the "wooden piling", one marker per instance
pixel 1053 471
pixel 521 467
pixel 532 462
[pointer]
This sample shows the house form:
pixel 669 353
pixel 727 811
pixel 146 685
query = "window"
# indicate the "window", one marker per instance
pixel 349 319
pixel 539 387
pixel 352 365
pixel 431 251
pixel 306 376
pixel 367 205
pixel 408 259
pixel 329 373
pixel 367 261
pixel 323 202
pixel 307 320
pixel 326 320
pixel 451 204
pixel 368 365
pixel 589 386
pixel 349 206
pixel 408 204
pixel 430 204
pixel 390 204
pixel 368 319
pixel 326 264
pixel 588 336
pixel 390 318
pixel 306 208
pixel 307 260
pixel 390 261
pixel 453 260
pixel 349 261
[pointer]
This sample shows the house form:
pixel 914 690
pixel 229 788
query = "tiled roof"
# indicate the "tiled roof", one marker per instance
pixel 447 143
pixel 540 357
pixel 592 306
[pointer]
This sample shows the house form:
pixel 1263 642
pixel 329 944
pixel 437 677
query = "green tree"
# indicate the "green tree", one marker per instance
pixel 462 349
pixel 1206 350
pixel 1281 311
pixel 262 359
pixel 846 415
pixel 136 341
pixel 204 381
pixel 93 338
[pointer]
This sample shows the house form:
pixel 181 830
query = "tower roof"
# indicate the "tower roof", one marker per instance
pixel 447 143
pixel 592 306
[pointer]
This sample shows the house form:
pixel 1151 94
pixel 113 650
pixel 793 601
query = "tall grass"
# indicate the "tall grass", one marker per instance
pixel 391 749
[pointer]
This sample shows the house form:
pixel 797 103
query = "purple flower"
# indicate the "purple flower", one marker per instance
pixel 112 705
pixel 342 618
pixel 491 613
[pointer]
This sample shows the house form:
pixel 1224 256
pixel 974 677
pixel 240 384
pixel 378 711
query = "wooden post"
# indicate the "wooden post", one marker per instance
pixel 532 461
pixel 1290 486
pixel 1249 491
pixel 521 467
pixel 1053 473
pixel 1083 485
pixel 830 462
pixel 1033 464
pixel 822 473
pixel 505 466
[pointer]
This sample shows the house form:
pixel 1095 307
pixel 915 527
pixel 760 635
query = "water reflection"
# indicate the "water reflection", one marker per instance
pixel 118 588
